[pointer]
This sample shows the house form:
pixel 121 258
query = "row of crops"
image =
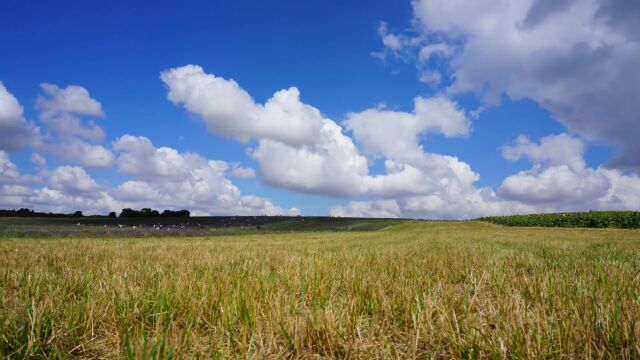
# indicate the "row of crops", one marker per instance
pixel 592 219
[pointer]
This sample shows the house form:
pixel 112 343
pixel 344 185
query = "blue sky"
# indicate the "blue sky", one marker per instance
pixel 342 62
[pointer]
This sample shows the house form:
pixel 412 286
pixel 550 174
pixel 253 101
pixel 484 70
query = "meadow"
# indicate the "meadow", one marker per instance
pixel 415 289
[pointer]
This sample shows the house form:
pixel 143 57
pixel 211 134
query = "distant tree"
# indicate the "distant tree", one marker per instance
pixel 154 213
pixel 180 213
pixel 127 212
pixel 112 214
pixel 25 212
pixel 167 213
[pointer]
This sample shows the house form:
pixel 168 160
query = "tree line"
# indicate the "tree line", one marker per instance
pixel 125 213
pixel 147 212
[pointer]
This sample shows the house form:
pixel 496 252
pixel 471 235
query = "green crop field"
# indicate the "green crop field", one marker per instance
pixel 407 290
pixel 591 219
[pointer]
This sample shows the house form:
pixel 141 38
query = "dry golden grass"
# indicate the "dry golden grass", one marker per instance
pixel 416 290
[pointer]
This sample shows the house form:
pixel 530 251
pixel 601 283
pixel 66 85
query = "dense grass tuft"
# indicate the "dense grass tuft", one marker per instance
pixel 415 290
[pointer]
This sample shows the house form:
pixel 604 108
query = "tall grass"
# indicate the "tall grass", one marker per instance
pixel 442 290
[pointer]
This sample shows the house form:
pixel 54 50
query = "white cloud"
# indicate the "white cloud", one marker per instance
pixel 437 49
pixel 241 172
pixel 436 205
pixel 298 148
pixel 556 186
pixel 430 77
pixel 250 204
pixel 560 179
pixel 318 158
pixel 138 157
pixel 553 150
pixel 70 100
pixel 60 109
pixel 576 58
pixel 71 180
pixel 391 41
pixel 67 189
pixel 436 174
pixel 394 134
pixel 315 157
pixel 80 152
pixel 423 184
pixel 15 131
pixel 8 170
pixel 9 173
pixel 624 191
pixel 50 200
pixel 167 179
pixel 377 208
pixel 399 180
pixel 140 192
pixel 70 138
pixel 333 166
pixel 461 204
pixel 229 110
pixel 11 112
pixel 162 177
pixel 397 46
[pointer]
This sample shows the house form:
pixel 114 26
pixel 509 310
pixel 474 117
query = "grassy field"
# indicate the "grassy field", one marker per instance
pixel 17 227
pixel 413 290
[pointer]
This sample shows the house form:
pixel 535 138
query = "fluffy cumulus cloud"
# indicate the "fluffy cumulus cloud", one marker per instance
pixel 331 167
pixel 61 108
pixel 301 150
pixel 173 181
pixel 553 150
pixel 297 147
pixel 70 137
pixel 15 131
pixel 315 155
pixel 139 158
pixel 229 110
pixel 63 189
pixel 167 179
pixel 159 177
pixel 576 58
pixel 421 183
pixel 72 180
pixel 560 180
pixel 375 208
pixel 394 134
pixel 80 152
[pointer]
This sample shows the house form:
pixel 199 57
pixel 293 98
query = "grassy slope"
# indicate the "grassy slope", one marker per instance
pixel 444 289
pixel 213 225
pixel 332 224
